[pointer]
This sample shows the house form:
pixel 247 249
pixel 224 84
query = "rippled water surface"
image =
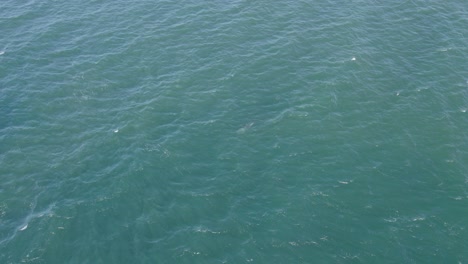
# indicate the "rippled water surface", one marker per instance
pixel 233 131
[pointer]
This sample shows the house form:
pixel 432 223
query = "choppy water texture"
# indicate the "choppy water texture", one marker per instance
pixel 233 131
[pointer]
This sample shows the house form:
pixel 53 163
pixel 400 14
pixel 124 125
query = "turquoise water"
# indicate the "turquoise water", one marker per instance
pixel 233 131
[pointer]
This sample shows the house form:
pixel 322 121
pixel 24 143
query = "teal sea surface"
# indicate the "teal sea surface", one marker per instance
pixel 233 131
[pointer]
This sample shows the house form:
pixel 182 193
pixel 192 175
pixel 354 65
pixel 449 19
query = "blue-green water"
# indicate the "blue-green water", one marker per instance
pixel 233 131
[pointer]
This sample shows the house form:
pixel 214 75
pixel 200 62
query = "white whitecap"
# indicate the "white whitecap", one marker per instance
pixel 444 49
pixel 23 227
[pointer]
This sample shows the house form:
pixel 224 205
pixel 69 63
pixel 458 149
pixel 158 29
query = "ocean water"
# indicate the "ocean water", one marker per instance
pixel 233 131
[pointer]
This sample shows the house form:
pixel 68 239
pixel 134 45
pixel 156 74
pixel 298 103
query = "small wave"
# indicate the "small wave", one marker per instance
pixel 345 182
pixel 206 230
pixel 243 129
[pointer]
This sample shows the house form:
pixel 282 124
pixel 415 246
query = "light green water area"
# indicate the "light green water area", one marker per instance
pixel 233 131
